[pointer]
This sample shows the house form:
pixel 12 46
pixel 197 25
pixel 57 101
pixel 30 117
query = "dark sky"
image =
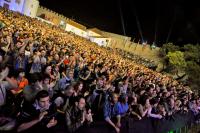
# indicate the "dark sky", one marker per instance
pixel 176 21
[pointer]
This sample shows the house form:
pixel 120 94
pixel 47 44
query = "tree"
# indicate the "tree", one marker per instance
pixel 193 72
pixel 177 61
pixel 168 47
pixel 191 52
pixel 185 60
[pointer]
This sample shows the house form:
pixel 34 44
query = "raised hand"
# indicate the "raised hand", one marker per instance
pixel 4 73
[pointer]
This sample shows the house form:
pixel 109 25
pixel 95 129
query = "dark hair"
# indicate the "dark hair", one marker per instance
pixel 13 73
pixel 122 98
pixel 19 71
pixel 35 77
pixel 154 101
pixel 42 94
pixel 78 98
pixel 111 96
pixel 45 76
pixel 45 67
pixel 77 85
pixel 69 87
pixel 143 100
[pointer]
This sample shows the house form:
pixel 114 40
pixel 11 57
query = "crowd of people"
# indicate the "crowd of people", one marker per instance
pixel 52 80
pixel 137 59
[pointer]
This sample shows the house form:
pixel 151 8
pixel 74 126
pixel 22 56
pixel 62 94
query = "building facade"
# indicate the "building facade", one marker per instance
pixel 26 7
pixel 76 28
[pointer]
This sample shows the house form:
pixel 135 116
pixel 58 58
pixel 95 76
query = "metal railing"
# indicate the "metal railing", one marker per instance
pixel 192 128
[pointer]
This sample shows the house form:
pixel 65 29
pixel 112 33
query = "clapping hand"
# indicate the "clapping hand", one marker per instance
pixel 52 123
pixel 88 116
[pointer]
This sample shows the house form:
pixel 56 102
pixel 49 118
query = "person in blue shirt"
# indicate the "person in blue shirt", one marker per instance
pixel 111 112
pixel 123 105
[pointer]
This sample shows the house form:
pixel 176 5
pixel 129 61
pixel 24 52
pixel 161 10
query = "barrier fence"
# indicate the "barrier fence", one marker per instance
pixel 178 123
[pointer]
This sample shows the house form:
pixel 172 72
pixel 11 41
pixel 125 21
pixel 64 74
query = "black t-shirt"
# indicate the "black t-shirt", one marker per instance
pixel 29 113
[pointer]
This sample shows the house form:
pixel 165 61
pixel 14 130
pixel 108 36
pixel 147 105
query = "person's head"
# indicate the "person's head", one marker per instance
pixel 171 102
pixel 1 58
pixel 144 100
pixel 114 97
pixel 123 98
pixel 157 88
pixel 63 50
pixel 161 107
pixel 150 90
pixel 34 78
pixel 51 53
pixel 49 47
pixel 56 68
pixel 48 70
pixel 178 103
pixel 46 79
pixel 132 100
pixel 70 74
pixel 43 99
pixel 20 73
pixel 69 91
pixel 100 82
pixel 22 54
pixel 56 57
pixel 43 53
pixel 78 86
pixel 154 102
pixel 81 103
pixel 193 102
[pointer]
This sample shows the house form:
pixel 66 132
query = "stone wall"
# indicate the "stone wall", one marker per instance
pixel 51 15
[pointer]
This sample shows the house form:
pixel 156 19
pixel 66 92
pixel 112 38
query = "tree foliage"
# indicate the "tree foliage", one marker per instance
pixel 193 72
pixel 186 58
pixel 191 52
pixel 168 47
pixel 177 59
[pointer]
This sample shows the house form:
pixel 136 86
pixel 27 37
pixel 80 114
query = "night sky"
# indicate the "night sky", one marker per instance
pixel 176 21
